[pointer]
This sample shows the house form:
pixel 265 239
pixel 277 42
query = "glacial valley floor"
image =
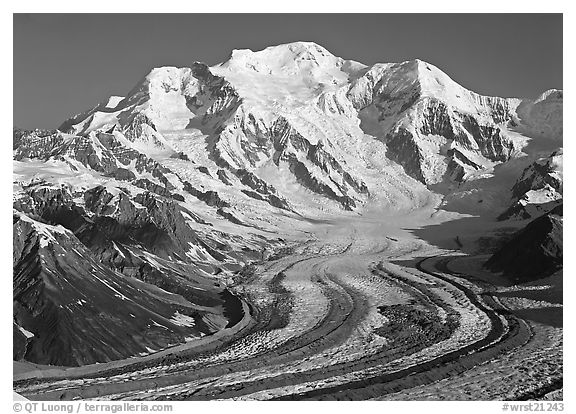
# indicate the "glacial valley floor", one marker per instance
pixel 362 309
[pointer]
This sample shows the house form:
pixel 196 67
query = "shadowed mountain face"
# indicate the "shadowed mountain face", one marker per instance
pixel 80 311
pixel 134 218
pixel 534 252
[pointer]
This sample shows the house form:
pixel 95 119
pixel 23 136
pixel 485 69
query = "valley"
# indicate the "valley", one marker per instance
pixel 320 329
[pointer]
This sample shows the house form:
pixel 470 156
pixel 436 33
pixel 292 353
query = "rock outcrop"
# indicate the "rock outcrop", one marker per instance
pixel 534 252
pixel 538 190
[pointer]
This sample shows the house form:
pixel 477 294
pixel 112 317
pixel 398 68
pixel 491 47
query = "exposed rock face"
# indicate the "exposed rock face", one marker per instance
pixel 544 172
pixel 539 189
pixel 313 166
pixel 81 311
pixel 133 236
pixel 534 252
pixel 103 220
pixel 421 114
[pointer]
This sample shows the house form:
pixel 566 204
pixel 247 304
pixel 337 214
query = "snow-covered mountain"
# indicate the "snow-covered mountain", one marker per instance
pixel 197 171
pixel 539 189
pixel 320 120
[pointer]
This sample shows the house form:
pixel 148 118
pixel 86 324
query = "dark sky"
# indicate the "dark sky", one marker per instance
pixel 66 63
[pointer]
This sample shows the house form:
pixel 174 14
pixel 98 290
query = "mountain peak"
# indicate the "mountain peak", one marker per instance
pixel 167 77
pixel 431 79
pixel 292 50
pixel 550 94
pixel 297 71
pixel 284 59
pixel 165 74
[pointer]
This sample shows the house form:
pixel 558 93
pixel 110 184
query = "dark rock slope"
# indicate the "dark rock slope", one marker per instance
pixel 534 252
pixel 82 311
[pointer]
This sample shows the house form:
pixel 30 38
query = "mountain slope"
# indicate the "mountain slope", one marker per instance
pixel 534 252
pixel 299 111
pixel 80 311
pixel 539 189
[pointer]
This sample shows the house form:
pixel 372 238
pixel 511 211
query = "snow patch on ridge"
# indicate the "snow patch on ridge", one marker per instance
pixel 45 231
pixel 26 333
pixel 182 320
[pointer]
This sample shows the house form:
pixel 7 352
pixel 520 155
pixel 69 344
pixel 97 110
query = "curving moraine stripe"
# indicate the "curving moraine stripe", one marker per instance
pixel 499 339
pixel 178 378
